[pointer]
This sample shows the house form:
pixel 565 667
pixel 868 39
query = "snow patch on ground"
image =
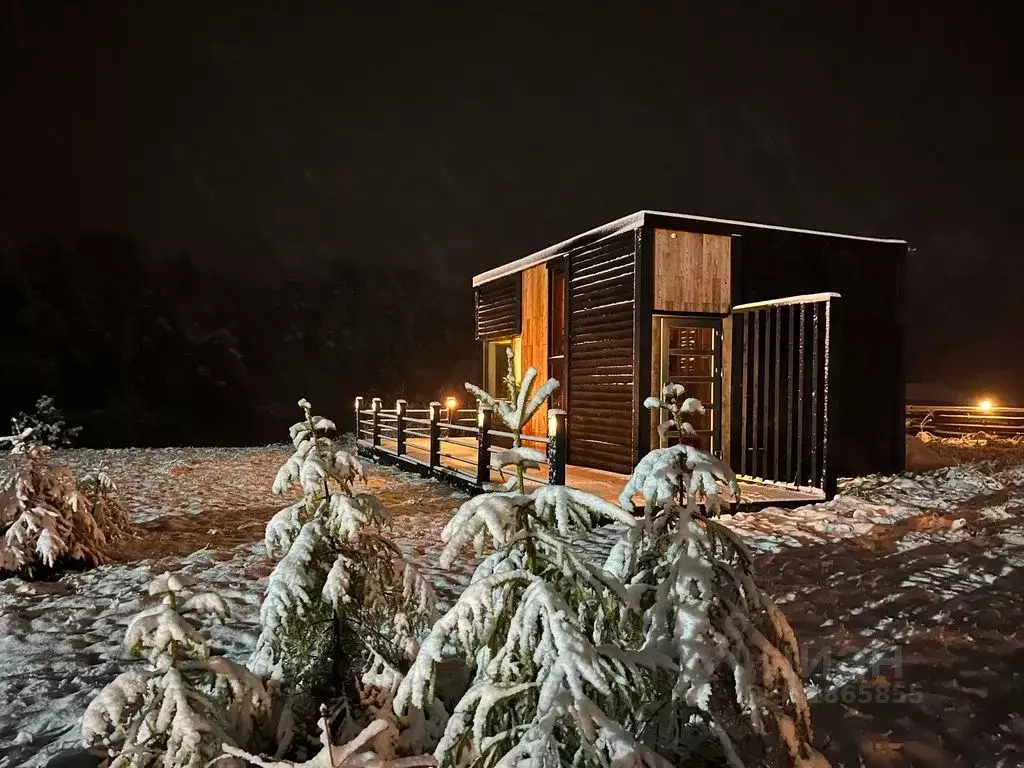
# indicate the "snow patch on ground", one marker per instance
pixel 904 591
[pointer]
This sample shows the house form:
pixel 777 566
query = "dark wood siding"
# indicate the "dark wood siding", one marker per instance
pixel 601 329
pixel 499 308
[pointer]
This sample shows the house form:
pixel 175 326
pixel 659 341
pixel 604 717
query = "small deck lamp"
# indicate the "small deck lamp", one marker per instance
pixel 450 404
pixel 985 405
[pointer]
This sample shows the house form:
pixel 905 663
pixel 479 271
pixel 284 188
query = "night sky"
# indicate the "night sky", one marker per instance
pixel 209 209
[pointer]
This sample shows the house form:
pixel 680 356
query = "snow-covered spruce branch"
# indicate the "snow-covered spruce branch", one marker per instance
pixel 516 411
pixel 673 400
pixel 48 517
pixel 180 709
pixel 679 473
pixel 364 750
pixel 554 641
pixel 730 681
pixel 341 596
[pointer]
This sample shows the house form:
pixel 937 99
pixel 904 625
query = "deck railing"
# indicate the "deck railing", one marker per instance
pixel 781 383
pixel 961 420
pixel 456 445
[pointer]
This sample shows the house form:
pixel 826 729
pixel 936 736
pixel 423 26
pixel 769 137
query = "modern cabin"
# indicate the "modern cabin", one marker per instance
pixel 791 338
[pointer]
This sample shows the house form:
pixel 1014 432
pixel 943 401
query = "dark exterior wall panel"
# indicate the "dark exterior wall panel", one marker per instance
pixel 867 387
pixel 499 308
pixel 601 323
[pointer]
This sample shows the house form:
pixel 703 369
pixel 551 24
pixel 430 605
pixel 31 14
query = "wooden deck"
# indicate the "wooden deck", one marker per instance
pixel 459 455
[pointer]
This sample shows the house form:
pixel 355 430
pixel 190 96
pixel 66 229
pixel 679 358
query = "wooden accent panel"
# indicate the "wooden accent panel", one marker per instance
pixel 691 272
pixel 601 365
pixel 656 328
pixel 498 309
pixel 535 336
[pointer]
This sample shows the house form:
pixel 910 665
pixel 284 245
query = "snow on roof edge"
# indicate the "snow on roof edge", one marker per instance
pixel 612 228
pixel 634 220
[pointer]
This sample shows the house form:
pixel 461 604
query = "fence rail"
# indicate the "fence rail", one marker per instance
pixel 960 420
pixel 781 355
pixel 456 446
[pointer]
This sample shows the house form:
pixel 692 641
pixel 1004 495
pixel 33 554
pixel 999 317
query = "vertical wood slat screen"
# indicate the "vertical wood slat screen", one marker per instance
pixel 783 390
pixel 601 365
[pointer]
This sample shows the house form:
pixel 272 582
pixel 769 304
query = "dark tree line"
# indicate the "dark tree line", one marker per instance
pixel 142 349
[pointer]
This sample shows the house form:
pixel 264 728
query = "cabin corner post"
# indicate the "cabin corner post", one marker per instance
pixel 359 418
pixel 643 313
pixel 434 450
pixel 483 446
pixel 375 405
pixel 899 448
pixel 557 446
pixel 400 408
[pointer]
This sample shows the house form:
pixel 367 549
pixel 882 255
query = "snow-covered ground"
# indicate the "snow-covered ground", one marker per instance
pixel 906 594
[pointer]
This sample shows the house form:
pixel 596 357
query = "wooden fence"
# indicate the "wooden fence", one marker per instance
pixel 960 420
pixel 455 445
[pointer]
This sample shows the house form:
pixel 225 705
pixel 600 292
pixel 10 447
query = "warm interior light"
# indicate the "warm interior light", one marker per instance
pixel 985 405
pixel 451 403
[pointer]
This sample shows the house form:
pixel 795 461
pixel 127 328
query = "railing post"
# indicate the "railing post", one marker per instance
pixel 557 443
pixel 400 426
pixel 375 435
pixel 359 418
pixel 483 446
pixel 434 449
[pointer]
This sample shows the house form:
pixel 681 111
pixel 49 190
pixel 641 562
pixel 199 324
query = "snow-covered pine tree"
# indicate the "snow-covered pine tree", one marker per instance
pixel 185 704
pixel 47 424
pixel 47 517
pixel 553 683
pixel 673 400
pixel 726 691
pixel 516 411
pixel 342 595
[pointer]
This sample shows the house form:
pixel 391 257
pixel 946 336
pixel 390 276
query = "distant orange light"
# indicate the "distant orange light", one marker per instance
pixel 451 403
pixel 985 405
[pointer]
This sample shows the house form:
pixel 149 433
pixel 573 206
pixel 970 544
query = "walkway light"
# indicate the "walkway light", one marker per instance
pixel 985 405
pixel 451 404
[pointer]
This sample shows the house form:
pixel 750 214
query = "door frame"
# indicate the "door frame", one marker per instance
pixel 660 322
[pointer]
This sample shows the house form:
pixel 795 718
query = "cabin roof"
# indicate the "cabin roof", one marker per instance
pixel 639 219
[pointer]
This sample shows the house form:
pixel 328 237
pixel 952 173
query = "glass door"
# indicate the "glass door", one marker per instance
pixel 688 351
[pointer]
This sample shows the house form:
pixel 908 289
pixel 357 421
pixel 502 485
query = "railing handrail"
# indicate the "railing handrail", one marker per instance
pixel 807 298
pixel 387 431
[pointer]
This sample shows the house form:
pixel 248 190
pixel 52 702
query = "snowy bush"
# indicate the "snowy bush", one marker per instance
pixel 47 424
pixel 179 709
pixel 341 596
pixel 726 689
pixel 667 655
pixel 554 683
pixel 47 517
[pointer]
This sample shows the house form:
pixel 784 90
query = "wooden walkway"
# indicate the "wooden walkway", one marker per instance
pixel 459 456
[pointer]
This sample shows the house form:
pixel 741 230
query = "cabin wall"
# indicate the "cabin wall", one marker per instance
pixel 535 335
pixel 866 377
pixel 601 329
pixel 691 272
pixel 498 313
